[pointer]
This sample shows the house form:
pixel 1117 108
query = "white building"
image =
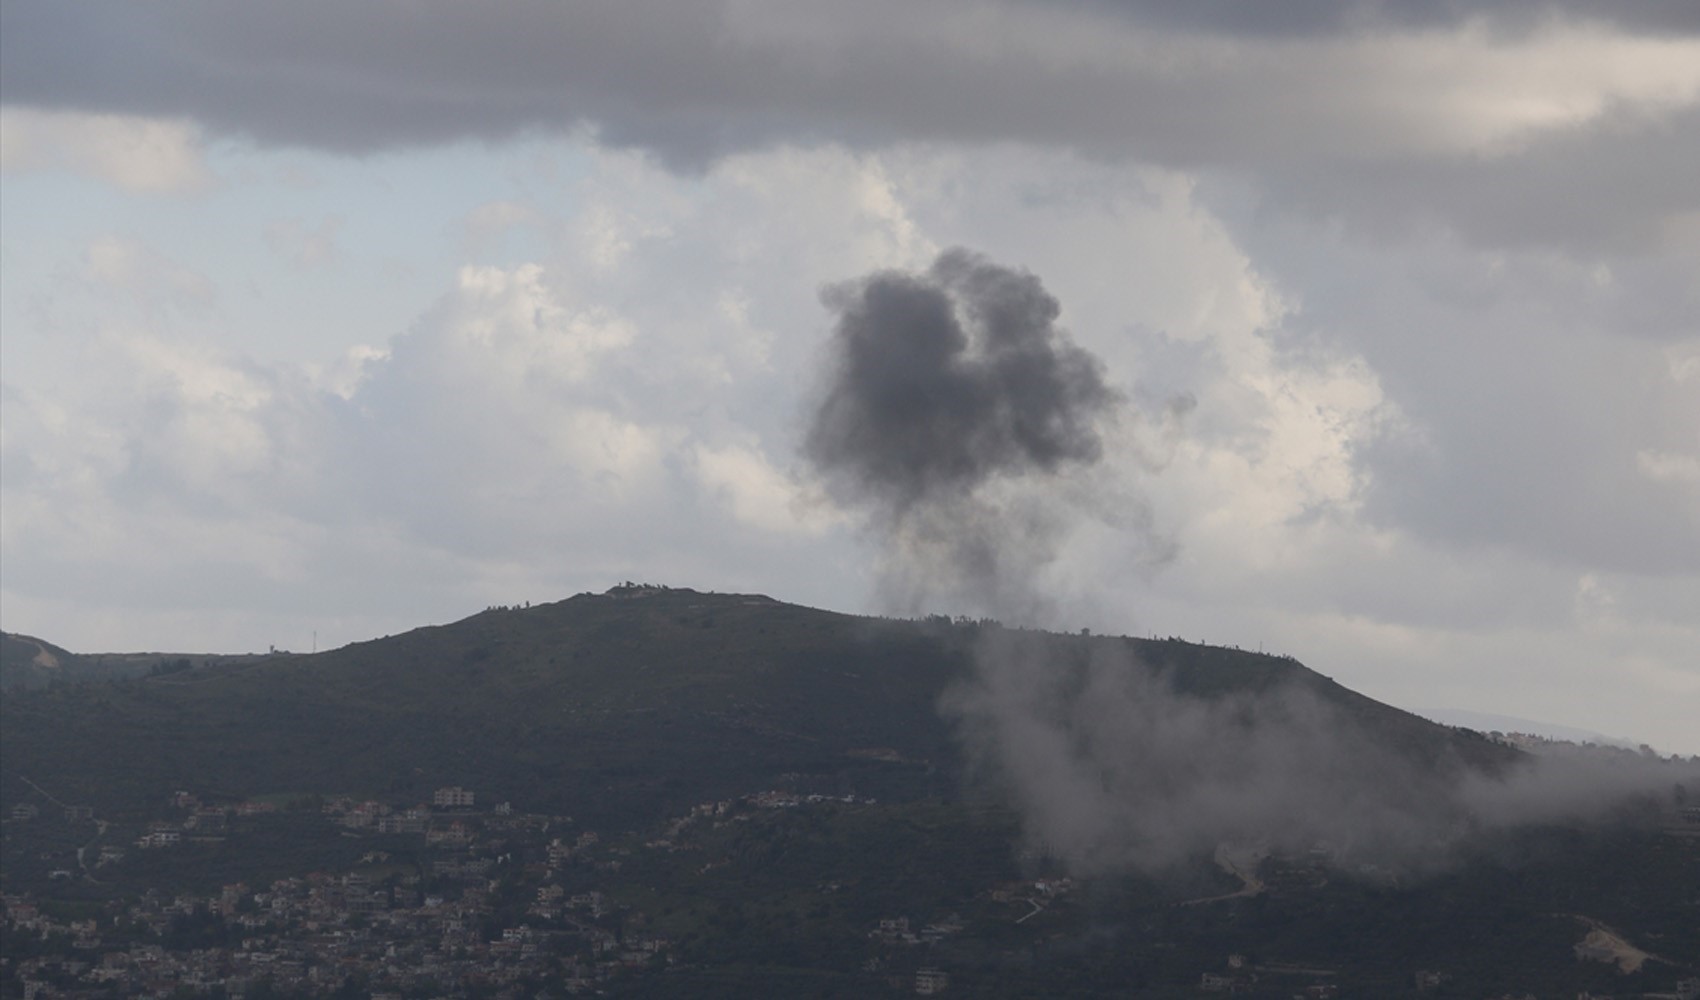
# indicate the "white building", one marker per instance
pixel 452 797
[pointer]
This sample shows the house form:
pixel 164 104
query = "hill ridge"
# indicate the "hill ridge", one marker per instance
pixel 664 693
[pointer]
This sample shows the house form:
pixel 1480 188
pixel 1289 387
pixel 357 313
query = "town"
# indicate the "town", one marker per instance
pixel 484 910
pixel 448 898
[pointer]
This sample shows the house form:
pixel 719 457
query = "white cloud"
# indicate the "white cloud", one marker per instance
pixel 760 495
pixel 1669 467
pixel 137 270
pixel 139 154
pixel 303 245
pixel 487 226
pixel 512 317
pixel 595 415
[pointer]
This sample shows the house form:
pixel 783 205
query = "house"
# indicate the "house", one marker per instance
pixel 365 814
pixel 210 818
pixel 452 797
pixel 1427 979
pixel 454 835
pixel 411 821
pixel 931 981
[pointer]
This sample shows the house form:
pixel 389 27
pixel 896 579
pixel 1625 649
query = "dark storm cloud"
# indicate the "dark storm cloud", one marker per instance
pixel 942 386
pixel 1612 183
pixel 363 77
pixel 694 82
pixel 1320 17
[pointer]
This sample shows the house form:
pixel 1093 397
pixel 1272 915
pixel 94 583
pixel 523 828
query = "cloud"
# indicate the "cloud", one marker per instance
pixel 146 276
pixel 569 418
pixel 1312 17
pixel 485 227
pixel 1425 107
pixel 1611 181
pixel 1669 467
pixel 303 245
pixel 758 494
pixel 135 153
pixel 1525 384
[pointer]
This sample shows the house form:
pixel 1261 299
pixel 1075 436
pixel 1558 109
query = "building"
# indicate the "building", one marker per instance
pixel 931 981
pixel 452 797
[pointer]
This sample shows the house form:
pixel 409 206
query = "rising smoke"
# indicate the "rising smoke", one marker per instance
pixel 1115 766
pixel 965 425
pixel 949 391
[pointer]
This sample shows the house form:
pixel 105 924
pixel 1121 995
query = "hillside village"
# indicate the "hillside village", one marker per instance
pixel 450 899
pixel 491 915
pixel 668 793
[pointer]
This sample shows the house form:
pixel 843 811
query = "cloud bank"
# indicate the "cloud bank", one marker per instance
pixel 1370 109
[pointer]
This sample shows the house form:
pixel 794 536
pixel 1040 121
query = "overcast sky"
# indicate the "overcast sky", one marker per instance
pixel 349 318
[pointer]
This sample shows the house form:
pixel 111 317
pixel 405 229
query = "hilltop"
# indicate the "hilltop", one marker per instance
pixel 623 706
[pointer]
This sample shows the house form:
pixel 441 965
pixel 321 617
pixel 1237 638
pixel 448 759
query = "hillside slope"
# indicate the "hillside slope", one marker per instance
pixel 619 708
pixel 27 662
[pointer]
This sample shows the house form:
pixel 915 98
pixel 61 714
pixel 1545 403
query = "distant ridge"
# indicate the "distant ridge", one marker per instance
pixel 28 662
pixel 1486 722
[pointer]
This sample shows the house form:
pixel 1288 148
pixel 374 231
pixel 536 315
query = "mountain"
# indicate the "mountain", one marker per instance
pixel 656 792
pixel 622 707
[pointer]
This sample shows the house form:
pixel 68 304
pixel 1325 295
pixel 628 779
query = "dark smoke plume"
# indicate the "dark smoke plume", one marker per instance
pixel 948 388
pixel 967 426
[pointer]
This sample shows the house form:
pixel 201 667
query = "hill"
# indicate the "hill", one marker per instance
pixel 623 707
pixel 700 795
pixel 27 662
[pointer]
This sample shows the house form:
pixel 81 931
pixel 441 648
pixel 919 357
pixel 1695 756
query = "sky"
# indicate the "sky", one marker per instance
pixel 323 321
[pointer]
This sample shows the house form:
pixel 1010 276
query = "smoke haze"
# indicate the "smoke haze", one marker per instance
pixel 1114 769
pixel 1115 766
pixel 965 424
